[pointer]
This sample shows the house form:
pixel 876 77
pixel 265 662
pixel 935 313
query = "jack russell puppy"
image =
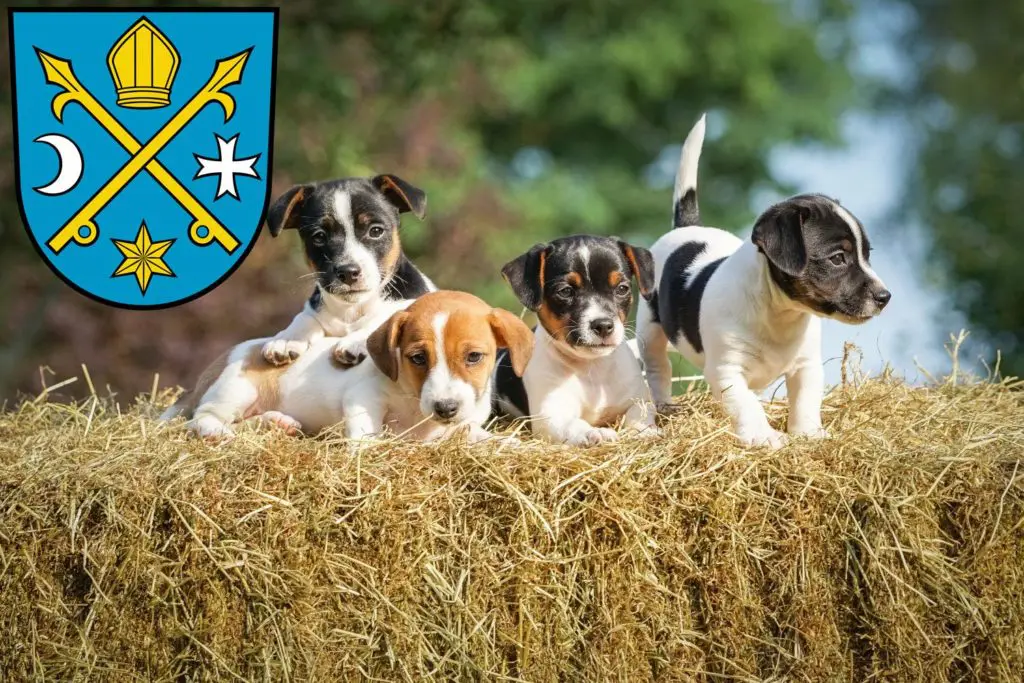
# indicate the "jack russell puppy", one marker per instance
pixel 748 312
pixel 430 377
pixel 583 380
pixel 349 230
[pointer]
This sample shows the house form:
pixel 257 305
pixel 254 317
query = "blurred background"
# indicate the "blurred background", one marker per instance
pixel 533 119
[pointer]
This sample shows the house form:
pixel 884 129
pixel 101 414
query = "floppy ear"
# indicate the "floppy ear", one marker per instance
pixel 383 342
pixel 526 275
pixel 641 262
pixel 284 212
pixel 404 196
pixel 512 333
pixel 779 234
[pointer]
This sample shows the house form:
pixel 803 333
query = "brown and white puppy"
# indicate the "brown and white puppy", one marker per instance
pixel 583 380
pixel 349 230
pixel 430 376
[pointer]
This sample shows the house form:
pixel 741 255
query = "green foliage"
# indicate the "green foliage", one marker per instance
pixel 969 182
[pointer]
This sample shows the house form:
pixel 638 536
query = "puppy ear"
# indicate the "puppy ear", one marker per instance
pixel 284 212
pixel 383 342
pixel 513 334
pixel 526 275
pixel 404 196
pixel 779 234
pixel 641 262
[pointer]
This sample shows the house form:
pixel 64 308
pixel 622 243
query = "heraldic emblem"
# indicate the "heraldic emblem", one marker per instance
pixel 143 144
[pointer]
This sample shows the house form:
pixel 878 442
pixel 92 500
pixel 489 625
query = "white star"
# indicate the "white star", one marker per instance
pixel 226 166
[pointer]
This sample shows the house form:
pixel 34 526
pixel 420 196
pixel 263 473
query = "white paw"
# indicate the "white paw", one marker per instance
pixel 812 433
pixel 283 351
pixel 349 354
pixel 770 438
pixel 593 437
pixel 289 424
pixel 211 429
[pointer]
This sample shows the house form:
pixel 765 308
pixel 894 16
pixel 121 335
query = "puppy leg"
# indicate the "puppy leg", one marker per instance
pixel 573 431
pixel 364 419
pixel 224 403
pixel 640 417
pixel 749 421
pixel 654 350
pixel 805 387
pixel 290 343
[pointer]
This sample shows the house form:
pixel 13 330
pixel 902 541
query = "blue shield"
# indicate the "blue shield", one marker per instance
pixel 143 144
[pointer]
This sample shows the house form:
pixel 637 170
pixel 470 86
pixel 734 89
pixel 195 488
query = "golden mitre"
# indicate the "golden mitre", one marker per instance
pixel 143 64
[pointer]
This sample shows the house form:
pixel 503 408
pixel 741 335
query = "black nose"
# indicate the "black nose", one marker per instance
pixel 446 408
pixel 882 297
pixel 602 327
pixel 348 273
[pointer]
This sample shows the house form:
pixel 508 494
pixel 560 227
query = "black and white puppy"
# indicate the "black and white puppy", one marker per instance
pixel 582 380
pixel 748 312
pixel 349 230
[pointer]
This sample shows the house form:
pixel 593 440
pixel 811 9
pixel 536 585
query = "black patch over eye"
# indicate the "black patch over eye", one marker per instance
pixel 375 232
pixel 622 290
pixel 474 357
pixel 838 259
pixel 319 238
pixel 418 358
pixel 564 292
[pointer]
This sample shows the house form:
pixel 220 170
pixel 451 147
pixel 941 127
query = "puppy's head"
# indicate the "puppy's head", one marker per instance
pixel 349 229
pixel 442 349
pixel 580 289
pixel 817 254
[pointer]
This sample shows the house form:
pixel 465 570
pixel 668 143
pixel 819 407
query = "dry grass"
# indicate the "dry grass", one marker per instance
pixel 893 551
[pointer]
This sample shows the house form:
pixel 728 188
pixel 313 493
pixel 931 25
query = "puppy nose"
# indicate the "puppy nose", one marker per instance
pixel 602 327
pixel 446 408
pixel 348 273
pixel 882 297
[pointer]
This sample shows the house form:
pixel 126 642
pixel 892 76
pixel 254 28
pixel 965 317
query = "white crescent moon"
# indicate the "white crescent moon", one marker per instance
pixel 70 164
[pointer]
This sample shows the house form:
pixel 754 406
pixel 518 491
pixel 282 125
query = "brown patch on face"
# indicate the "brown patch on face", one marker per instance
pixel 574 279
pixel 390 261
pixel 615 278
pixel 265 378
pixel 188 402
pixel 557 326
pixel 847 245
pixel 468 332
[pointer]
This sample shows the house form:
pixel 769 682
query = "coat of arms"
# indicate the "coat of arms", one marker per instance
pixel 143 145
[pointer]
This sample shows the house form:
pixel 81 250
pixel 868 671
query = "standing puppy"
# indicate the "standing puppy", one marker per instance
pixel 750 312
pixel 349 229
pixel 582 379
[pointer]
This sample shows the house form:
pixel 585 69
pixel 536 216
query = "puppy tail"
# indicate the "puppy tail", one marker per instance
pixel 684 200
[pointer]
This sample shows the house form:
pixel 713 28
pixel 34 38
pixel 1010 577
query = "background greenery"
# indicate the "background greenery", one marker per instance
pixel 533 119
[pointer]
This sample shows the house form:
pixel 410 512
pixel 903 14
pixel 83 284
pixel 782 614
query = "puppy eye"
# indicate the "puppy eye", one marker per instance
pixel 474 357
pixel 375 232
pixel 319 238
pixel 837 259
pixel 418 358
pixel 564 292
pixel 622 290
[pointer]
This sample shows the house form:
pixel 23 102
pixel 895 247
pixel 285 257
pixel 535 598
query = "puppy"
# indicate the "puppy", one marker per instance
pixel 349 229
pixel 750 312
pixel 583 379
pixel 430 376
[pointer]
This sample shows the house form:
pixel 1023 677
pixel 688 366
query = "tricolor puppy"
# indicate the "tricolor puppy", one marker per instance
pixel 750 312
pixel 430 376
pixel 583 380
pixel 349 229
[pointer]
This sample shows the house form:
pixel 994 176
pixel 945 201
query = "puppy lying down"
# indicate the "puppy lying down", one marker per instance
pixel 430 376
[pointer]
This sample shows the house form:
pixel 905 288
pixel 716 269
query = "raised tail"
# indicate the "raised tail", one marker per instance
pixel 684 200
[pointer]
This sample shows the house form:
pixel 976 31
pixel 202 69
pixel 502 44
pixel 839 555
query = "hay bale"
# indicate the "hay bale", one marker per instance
pixel 895 550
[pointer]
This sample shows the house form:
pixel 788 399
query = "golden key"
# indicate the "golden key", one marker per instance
pixel 82 226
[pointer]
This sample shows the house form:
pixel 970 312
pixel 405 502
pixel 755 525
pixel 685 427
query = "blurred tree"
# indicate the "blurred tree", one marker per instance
pixel 522 120
pixel 968 106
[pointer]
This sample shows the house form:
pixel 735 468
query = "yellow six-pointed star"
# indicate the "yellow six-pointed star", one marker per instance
pixel 143 258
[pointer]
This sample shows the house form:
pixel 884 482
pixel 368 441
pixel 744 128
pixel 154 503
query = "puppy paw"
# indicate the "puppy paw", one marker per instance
pixel 771 439
pixel 289 424
pixel 593 437
pixel 811 433
pixel 283 351
pixel 210 429
pixel 348 355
